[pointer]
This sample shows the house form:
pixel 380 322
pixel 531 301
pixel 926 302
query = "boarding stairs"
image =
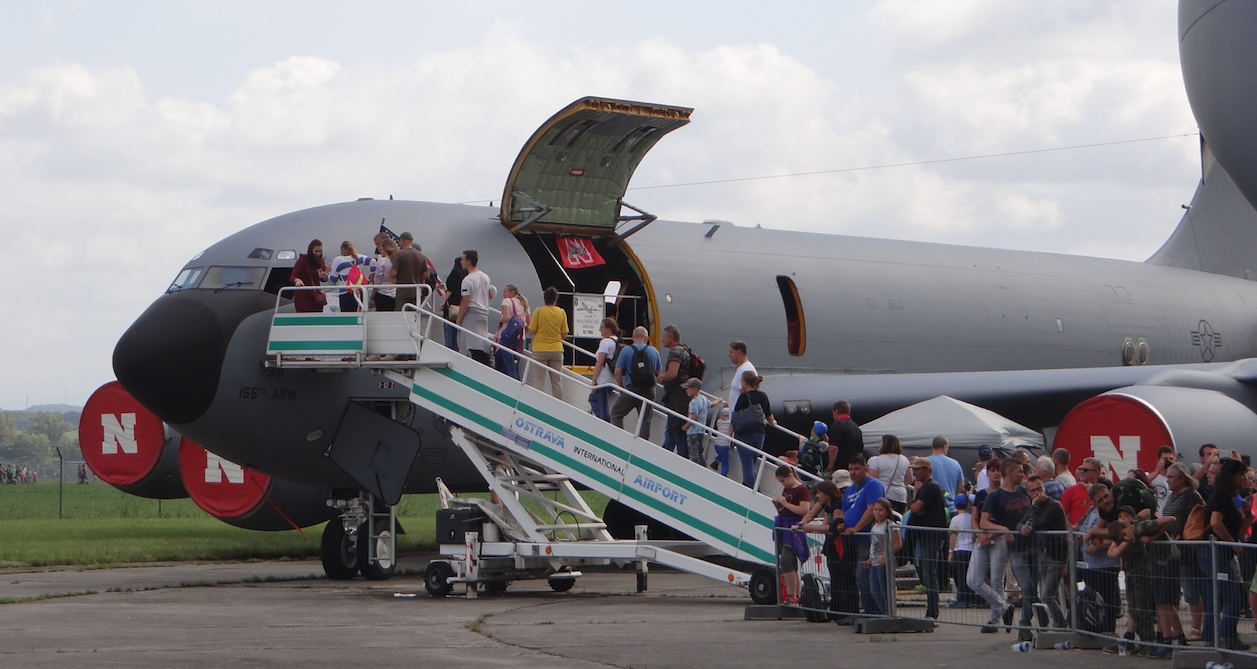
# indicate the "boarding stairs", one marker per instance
pixel 528 443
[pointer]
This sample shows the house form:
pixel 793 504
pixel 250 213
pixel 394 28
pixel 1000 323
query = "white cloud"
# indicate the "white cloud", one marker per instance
pixel 110 190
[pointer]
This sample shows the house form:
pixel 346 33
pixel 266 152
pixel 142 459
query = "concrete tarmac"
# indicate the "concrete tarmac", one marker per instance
pixel 286 614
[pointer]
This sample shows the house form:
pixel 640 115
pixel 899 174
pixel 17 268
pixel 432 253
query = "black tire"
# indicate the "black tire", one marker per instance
pixel 495 586
pixel 434 579
pixel 373 571
pixel 763 586
pixel 561 584
pixel 338 553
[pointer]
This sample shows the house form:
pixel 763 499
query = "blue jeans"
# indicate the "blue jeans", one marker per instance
pixel 670 442
pixel 748 456
pixel 722 456
pixel 507 362
pixel 451 336
pixel 877 587
pixel 928 555
pixel 1022 563
pixel 600 403
pixel 1230 594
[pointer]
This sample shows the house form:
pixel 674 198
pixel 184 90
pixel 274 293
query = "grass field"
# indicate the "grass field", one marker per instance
pixel 101 525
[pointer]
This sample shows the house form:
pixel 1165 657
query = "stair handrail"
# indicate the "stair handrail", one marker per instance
pixel 711 397
pixel 359 292
pixel 433 318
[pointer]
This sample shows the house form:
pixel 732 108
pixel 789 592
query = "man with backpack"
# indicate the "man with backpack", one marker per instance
pixel 636 370
pixel 676 371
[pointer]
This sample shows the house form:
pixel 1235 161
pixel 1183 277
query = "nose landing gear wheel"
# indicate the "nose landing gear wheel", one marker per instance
pixel 434 579
pixel 384 566
pixel 338 552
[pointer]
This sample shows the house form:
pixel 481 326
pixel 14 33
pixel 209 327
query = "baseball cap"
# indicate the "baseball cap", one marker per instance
pixel 922 463
pixel 984 450
pixel 819 427
pixel 692 383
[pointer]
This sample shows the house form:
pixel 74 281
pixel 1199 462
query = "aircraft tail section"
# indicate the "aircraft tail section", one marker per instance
pixel 1218 234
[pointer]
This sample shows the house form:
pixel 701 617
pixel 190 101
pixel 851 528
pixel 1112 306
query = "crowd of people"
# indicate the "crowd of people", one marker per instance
pixel 12 474
pixel 1008 522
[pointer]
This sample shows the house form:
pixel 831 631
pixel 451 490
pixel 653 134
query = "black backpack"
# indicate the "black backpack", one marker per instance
pixel 1092 614
pixel 698 366
pixel 811 457
pixel 640 370
pixel 1136 495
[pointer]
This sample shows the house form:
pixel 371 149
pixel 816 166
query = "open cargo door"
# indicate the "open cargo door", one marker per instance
pixel 571 175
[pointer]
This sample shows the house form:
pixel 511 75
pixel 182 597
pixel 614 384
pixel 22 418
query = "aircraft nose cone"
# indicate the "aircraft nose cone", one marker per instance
pixel 171 357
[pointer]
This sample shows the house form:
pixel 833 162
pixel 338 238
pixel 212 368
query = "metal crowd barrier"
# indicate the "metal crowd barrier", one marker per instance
pixel 1198 589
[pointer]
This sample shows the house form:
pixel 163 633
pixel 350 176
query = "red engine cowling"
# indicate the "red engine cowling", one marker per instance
pixel 128 447
pixel 246 498
pixel 1124 428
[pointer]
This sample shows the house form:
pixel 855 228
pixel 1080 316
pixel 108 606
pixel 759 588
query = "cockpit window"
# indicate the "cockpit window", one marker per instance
pixel 218 277
pixel 186 279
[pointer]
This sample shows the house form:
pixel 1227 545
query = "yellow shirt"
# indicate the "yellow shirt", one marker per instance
pixel 549 324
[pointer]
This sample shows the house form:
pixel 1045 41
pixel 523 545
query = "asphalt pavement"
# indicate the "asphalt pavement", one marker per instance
pixel 285 614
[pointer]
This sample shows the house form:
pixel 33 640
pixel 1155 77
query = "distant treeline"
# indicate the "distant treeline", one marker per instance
pixel 29 437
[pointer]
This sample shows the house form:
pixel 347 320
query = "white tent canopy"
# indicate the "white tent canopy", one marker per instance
pixel 966 427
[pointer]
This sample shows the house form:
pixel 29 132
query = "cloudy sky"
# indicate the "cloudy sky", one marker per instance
pixel 134 134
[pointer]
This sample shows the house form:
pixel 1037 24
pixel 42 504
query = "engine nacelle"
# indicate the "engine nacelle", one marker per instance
pixel 1123 428
pixel 128 447
pixel 246 498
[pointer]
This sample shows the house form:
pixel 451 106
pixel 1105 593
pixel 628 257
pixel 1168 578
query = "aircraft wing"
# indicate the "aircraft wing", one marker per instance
pixel 1035 398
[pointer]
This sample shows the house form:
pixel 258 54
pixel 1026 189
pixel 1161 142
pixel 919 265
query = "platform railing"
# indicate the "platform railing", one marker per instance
pixel 429 319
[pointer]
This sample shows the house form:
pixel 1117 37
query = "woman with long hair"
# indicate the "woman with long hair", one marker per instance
pixel 600 398
pixel 309 270
pixel 385 298
pixel 891 468
pixel 510 334
pixel 1227 517
pixel 752 430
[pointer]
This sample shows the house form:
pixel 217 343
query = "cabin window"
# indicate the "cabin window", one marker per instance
pixel 233 277
pixel 187 278
pixel 796 328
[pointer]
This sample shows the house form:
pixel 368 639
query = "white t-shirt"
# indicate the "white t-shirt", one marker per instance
pixel 964 522
pixel 477 287
pixel 735 388
pixel 382 268
pixel 1161 488
pixel 878 539
pixel 891 468
pixel 984 481
pixel 607 346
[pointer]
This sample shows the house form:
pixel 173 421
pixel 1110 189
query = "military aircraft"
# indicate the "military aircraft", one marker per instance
pixel 1122 356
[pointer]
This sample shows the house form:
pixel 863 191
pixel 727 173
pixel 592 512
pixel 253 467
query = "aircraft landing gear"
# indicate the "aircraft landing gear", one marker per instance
pixel 364 539
pixel 339 551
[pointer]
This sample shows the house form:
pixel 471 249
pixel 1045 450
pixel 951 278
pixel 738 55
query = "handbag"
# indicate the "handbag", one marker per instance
pixel 320 297
pixel 747 419
pixel 509 337
pixel 1194 528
